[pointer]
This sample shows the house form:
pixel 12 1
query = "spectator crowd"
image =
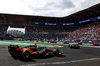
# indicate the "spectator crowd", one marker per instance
pixel 3 29
pixel 83 31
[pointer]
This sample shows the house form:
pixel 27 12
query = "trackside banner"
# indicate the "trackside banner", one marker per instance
pixel 87 20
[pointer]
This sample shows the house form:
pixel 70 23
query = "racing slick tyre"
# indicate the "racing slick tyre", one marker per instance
pixel 12 52
pixel 45 55
pixel 56 52
pixel 26 55
pixel 69 46
pixel 78 47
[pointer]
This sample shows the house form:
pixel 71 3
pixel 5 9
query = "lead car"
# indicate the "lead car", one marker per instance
pixel 29 52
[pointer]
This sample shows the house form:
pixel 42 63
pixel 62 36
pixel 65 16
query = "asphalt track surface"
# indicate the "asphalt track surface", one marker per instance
pixel 85 56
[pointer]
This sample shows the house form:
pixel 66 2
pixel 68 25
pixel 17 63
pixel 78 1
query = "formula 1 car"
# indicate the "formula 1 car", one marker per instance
pixel 29 52
pixel 79 43
pixel 75 46
pixel 95 44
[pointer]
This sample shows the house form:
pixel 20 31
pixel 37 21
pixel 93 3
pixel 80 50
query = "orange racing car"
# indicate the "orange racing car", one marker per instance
pixel 26 53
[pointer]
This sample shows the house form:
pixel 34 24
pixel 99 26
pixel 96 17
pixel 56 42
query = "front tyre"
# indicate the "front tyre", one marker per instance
pixel 26 55
pixel 78 47
pixel 56 52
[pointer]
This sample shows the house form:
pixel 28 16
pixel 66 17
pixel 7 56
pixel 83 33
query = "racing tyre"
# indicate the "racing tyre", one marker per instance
pixel 25 55
pixel 56 52
pixel 45 55
pixel 69 46
pixel 78 47
pixel 12 52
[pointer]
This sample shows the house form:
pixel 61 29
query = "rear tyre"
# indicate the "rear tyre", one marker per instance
pixel 12 51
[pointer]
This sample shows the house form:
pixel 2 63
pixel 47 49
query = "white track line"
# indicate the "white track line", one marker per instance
pixel 65 62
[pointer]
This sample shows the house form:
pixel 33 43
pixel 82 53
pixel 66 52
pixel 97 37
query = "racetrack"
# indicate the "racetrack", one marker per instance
pixel 85 56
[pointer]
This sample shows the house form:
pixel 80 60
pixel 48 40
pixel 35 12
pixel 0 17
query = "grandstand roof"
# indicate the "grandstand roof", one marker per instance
pixel 84 14
pixel 90 12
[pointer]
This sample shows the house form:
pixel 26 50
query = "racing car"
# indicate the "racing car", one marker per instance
pixel 29 52
pixel 75 46
pixel 95 44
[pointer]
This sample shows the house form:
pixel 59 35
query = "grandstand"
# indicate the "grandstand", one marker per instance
pixel 84 24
